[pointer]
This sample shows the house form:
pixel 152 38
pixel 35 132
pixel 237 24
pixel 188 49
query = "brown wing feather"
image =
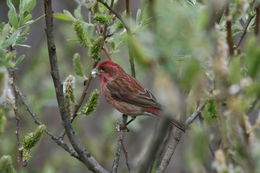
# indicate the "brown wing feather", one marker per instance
pixel 135 94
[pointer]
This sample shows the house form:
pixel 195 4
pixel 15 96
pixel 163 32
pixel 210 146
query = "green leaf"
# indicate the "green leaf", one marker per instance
pixel 26 18
pixel 11 40
pixel 210 111
pixel 68 14
pixel 139 16
pixel 235 70
pixel 19 59
pixel 77 65
pixel 252 59
pixel 77 13
pixel 62 16
pixel 137 50
pixel 2 120
pixel 103 19
pixel 29 5
pixel 12 16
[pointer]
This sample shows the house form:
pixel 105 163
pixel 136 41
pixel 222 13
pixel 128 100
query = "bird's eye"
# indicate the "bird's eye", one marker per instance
pixel 102 69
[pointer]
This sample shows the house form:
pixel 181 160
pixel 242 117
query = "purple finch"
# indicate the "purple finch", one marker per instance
pixel 126 94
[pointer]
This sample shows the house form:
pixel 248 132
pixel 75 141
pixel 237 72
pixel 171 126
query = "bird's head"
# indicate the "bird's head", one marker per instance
pixel 108 70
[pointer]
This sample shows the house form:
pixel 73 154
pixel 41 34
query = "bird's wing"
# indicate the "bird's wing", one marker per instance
pixel 127 89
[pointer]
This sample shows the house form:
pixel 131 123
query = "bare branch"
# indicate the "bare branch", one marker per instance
pixel 37 121
pixel 245 27
pixel 85 92
pixel 244 31
pixel 195 114
pixel 173 142
pixel 257 20
pixel 150 156
pixel 229 36
pixel 119 147
pixel 85 156
pixel 17 118
pixel 175 139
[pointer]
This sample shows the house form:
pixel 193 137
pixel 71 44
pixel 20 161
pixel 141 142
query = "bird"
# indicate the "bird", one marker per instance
pixel 126 94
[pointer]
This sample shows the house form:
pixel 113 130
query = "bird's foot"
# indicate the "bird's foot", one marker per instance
pixel 122 127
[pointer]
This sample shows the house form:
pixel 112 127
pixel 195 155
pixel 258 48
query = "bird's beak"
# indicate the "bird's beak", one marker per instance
pixel 94 72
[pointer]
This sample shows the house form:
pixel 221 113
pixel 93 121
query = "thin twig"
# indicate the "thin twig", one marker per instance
pixel 173 142
pixel 120 146
pixel 85 92
pixel 112 3
pixel 116 14
pixel 175 139
pixel 17 118
pixel 131 58
pixel 89 79
pixel 85 156
pixel 229 36
pixel 104 48
pixel 195 114
pixel 257 20
pixel 37 121
pixel 249 19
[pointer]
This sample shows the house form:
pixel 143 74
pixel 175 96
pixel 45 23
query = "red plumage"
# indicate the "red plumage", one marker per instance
pixel 126 94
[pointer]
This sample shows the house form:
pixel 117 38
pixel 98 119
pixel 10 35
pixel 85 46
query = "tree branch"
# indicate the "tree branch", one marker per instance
pixel 150 155
pixel 249 19
pixel 17 118
pixel 119 147
pixel 257 19
pixel 175 139
pixel 116 14
pixel 85 92
pixel 120 142
pixel 229 36
pixel 85 156
pixel 37 121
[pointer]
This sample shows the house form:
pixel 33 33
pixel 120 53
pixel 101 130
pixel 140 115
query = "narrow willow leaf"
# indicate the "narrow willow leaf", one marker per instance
pixel 61 16
pixel 19 59
pixel 77 65
pixel 12 16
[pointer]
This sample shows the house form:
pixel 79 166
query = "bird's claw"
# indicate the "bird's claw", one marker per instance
pixel 122 127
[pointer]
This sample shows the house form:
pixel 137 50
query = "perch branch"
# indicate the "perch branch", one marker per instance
pixel 85 156
pixel 150 156
pixel 120 144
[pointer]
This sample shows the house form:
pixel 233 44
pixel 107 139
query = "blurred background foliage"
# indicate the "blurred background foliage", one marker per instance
pixel 182 53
